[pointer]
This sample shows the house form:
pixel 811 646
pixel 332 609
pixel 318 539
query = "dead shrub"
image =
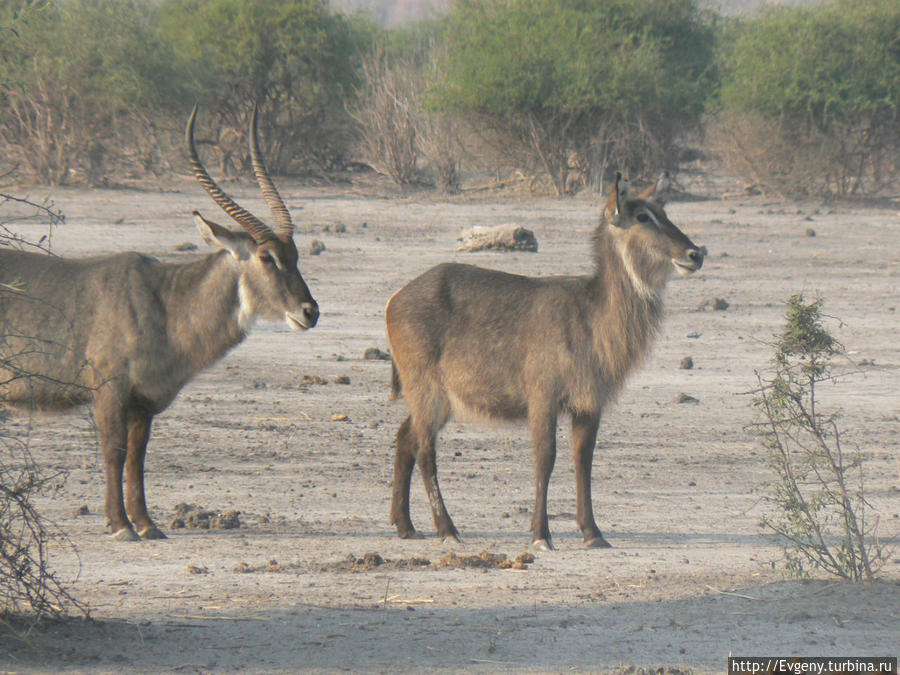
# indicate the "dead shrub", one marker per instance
pixel 29 589
pixel 788 158
pixel 387 116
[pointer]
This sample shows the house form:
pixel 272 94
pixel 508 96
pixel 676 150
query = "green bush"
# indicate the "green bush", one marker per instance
pixel 821 83
pixel 92 87
pixel 74 74
pixel 555 76
pixel 296 58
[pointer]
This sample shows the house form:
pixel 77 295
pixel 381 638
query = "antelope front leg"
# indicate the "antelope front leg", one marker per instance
pixel 110 417
pixel 138 434
pixel 404 463
pixel 584 438
pixel 543 433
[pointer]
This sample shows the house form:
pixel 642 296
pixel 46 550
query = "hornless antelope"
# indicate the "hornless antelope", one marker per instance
pixel 127 332
pixel 486 344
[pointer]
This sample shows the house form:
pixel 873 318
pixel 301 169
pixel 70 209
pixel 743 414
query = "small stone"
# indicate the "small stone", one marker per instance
pixel 810 232
pixel 339 417
pixel 720 304
pixel 686 398
pixel 82 511
pixel 342 379
pixel 375 354
pixel 686 363
pixel 316 246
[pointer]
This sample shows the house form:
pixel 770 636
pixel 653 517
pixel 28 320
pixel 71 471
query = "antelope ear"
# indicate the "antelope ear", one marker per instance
pixel 240 244
pixel 659 192
pixel 616 199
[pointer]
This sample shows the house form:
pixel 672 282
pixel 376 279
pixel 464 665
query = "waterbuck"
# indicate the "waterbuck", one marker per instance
pixel 486 344
pixel 126 332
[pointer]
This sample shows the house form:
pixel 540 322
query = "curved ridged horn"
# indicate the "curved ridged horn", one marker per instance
pixel 257 229
pixel 284 226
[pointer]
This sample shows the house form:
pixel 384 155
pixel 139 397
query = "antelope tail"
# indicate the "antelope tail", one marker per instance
pixel 396 385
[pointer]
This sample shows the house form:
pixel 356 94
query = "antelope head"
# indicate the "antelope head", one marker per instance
pixel 270 284
pixel 651 246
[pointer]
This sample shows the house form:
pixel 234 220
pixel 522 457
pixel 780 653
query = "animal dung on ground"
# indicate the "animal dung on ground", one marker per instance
pixel 484 560
pixel 716 304
pixel 499 238
pixel 312 379
pixel 375 354
pixel 316 246
pixel 271 566
pixel 371 561
pixel 192 516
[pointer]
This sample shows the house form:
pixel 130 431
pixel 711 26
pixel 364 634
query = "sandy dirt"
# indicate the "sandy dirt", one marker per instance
pixel 295 432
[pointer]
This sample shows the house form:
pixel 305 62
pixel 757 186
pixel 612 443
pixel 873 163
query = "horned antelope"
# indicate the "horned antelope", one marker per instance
pixel 481 343
pixel 126 332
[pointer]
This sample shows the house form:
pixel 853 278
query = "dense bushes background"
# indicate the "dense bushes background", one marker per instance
pixel 811 96
pixel 796 99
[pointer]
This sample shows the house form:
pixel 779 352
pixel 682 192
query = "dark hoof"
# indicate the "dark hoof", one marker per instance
pixel 597 542
pixel 411 534
pixel 542 545
pixel 152 532
pixel 452 538
pixel 125 534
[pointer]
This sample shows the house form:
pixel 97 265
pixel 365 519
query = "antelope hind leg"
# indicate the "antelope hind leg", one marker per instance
pixel 428 466
pixel 404 463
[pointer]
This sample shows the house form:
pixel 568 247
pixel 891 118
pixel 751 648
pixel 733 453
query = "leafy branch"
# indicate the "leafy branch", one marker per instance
pixel 820 511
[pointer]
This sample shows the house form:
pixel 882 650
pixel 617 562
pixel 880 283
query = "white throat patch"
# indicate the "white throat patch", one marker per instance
pixel 245 315
pixel 640 285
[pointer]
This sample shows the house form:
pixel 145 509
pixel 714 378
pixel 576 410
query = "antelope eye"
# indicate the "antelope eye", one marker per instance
pixel 269 261
pixel 643 217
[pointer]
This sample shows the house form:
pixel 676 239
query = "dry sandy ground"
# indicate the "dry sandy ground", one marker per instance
pixel 678 487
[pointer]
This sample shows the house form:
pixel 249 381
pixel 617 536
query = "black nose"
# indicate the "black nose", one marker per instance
pixel 695 255
pixel 310 311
